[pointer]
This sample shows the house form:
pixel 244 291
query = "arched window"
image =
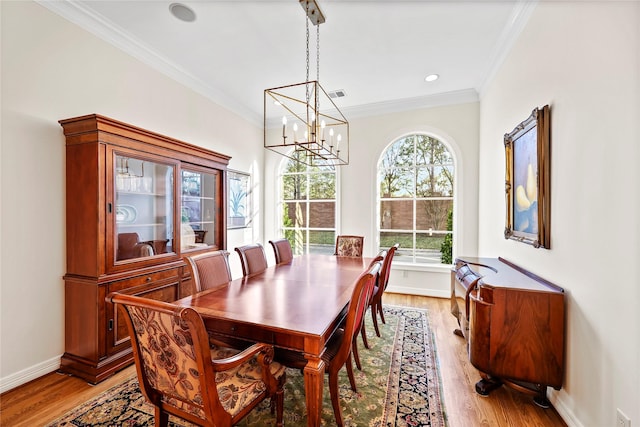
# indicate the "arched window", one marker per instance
pixel 308 206
pixel 415 193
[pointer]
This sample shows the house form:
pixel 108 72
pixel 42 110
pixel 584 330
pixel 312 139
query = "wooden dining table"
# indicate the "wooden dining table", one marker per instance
pixel 296 306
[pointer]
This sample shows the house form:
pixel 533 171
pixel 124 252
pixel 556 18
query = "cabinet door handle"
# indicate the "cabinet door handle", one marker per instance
pixel 111 324
pixel 149 279
pixel 109 207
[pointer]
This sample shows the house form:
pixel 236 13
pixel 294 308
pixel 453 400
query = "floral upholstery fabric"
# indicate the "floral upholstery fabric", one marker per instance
pixel 169 364
pixel 349 246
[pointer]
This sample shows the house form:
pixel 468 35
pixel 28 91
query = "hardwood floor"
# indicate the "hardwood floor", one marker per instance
pixel 504 407
pixel 45 399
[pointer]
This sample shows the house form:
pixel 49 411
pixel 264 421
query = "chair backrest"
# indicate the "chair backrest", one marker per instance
pixel 386 268
pixel 185 381
pixel 209 270
pixel 282 250
pixel 252 258
pixel 380 256
pixel 355 311
pixel 349 245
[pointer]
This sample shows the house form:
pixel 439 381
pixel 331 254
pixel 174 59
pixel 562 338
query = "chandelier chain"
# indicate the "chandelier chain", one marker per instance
pixel 307 79
pixel 324 134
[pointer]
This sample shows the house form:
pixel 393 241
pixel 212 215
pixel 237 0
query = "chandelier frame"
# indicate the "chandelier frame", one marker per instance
pixel 323 134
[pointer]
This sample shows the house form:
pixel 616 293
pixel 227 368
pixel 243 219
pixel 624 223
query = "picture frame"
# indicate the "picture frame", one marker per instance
pixel 239 199
pixel 527 180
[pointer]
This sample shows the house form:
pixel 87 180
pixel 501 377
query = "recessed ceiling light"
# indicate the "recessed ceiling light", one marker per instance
pixel 431 78
pixel 182 12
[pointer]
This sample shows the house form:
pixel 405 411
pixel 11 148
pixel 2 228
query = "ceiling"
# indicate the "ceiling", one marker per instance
pixel 378 52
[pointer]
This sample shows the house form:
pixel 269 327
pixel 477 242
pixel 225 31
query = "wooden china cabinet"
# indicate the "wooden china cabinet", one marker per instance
pixel 137 202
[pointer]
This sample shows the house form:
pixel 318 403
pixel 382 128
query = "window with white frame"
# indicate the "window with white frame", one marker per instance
pixel 415 199
pixel 308 206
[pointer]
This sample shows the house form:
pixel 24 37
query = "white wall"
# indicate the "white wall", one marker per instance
pixel 583 60
pixel 53 70
pixel 456 125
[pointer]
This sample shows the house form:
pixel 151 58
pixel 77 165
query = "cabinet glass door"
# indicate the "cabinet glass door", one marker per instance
pixel 144 208
pixel 199 209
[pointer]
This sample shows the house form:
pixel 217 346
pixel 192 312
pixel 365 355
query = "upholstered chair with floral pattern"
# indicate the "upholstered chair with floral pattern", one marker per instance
pixel 181 375
pixel 349 245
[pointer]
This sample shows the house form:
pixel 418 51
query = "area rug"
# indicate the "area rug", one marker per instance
pixel 399 385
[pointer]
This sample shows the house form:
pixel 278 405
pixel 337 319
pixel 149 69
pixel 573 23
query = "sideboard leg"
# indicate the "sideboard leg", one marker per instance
pixel 487 385
pixel 540 398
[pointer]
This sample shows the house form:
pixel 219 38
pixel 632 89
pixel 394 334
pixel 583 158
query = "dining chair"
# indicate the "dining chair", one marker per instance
pixel 381 286
pixel 361 328
pixel 349 245
pixel 337 352
pixel 180 375
pixel 252 258
pixel 282 250
pixel 209 269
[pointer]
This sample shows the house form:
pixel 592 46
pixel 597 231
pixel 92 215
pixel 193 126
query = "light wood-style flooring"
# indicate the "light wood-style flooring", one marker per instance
pixel 45 399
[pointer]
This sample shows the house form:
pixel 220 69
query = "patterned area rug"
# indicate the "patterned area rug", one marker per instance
pixel 399 385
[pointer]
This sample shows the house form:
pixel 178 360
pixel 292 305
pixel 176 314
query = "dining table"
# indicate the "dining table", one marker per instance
pixel 296 305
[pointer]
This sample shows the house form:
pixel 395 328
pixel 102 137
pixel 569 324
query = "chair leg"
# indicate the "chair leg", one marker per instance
pixel 363 332
pixel 162 418
pixel 335 397
pixel 381 313
pixel 352 379
pixel 374 316
pixel 354 350
pixel 279 398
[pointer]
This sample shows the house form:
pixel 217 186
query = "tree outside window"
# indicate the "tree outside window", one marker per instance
pixel 415 182
pixel 308 203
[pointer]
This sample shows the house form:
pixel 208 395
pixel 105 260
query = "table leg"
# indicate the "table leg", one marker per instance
pixel 313 385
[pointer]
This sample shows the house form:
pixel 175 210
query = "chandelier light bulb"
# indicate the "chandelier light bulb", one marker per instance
pixel 284 126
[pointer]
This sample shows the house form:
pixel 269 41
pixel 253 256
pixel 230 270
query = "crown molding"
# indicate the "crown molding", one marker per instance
pixel 518 20
pixel 93 23
pixel 83 17
pixel 406 104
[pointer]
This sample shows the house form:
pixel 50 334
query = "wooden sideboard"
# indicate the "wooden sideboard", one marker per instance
pixel 514 325
pixel 137 202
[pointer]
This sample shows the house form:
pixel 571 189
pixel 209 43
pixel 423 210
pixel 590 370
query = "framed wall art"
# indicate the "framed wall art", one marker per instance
pixel 527 180
pixel 239 190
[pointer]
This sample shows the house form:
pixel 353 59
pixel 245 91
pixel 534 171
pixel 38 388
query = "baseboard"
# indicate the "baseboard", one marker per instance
pixel 400 289
pixel 36 371
pixel 564 410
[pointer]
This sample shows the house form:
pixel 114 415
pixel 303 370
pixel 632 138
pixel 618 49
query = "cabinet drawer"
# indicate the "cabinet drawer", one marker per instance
pixel 239 330
pixel 160 286
pixel 145 279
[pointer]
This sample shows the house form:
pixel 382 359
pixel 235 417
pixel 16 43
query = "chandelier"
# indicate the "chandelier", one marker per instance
pixel 301 121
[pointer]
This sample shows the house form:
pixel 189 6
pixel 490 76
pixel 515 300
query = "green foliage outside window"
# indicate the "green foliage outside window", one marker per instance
pixel 446 249
pixel 416 185
pixel 308 218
